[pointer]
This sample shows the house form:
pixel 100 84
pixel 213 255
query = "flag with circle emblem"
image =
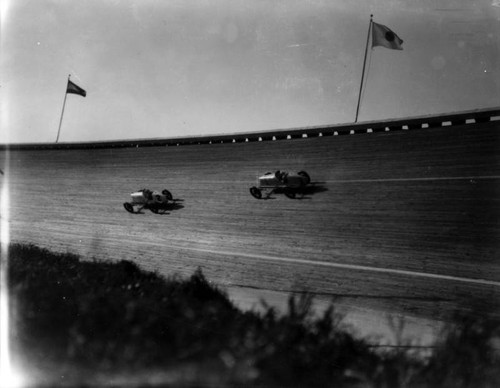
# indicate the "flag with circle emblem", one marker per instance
pixel 383 36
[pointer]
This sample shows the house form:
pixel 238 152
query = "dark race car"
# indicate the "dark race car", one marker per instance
pixel 280 182
pixel 147 199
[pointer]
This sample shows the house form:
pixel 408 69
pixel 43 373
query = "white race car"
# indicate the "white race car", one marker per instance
pixel 147 199
pixel 280 181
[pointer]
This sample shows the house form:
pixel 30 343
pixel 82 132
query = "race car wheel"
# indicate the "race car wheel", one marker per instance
pixel 305 175
pixel 256 193
pixel 128 207
pixel 154 210
pixel 290 194
pixel 167 194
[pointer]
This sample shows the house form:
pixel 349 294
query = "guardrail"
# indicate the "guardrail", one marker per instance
pixel 429 121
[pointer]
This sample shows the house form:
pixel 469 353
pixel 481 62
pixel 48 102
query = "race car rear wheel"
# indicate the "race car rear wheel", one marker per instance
pixel 256 193
pixel 290 194
pixel 167 194
pixel 128 207
pixel 305 175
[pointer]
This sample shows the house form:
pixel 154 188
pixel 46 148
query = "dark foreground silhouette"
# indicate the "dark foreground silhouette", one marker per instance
pixel 96 323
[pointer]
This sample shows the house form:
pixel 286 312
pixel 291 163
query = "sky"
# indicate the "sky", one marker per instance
pixel 173 68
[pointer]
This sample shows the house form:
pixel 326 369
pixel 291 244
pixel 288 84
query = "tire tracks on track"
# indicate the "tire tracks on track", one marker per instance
pixel 354 267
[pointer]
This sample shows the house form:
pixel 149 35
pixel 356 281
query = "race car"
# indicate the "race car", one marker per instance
pixel 280 181
pixel 147 199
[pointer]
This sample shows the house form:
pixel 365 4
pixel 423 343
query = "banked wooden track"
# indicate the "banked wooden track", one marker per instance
pixel 402 221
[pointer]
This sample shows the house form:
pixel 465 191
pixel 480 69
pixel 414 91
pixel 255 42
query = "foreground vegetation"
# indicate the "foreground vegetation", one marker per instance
pixel 90 323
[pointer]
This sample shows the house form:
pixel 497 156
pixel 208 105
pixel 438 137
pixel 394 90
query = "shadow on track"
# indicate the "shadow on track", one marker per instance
pixel 303 193
pixel 170 207
pixel 312 189
pixel 165 209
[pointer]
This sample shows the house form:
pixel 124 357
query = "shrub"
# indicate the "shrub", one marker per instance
pixel 114 317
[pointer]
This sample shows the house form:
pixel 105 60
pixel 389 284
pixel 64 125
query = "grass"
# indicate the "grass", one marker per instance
pixel 94 322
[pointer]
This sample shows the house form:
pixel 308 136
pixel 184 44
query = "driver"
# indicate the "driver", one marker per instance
pixel 281 176
pixel 148 194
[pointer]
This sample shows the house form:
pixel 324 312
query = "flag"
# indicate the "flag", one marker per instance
pixel 383 36
pixel 75 89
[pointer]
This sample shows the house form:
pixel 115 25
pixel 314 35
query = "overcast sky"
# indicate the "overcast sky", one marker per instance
pixel 171 68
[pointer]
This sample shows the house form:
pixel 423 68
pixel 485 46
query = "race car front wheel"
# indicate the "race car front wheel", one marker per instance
pixel 256 193
pixel 167 194
pixel 128 207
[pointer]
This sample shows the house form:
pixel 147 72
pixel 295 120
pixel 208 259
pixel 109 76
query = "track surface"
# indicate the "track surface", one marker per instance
pixel 401 221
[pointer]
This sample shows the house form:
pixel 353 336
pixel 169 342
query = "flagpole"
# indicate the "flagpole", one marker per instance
pixel 364 66
pixel 62 113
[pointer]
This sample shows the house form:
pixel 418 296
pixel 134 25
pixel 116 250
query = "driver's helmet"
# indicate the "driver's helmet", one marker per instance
pixel 147 193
